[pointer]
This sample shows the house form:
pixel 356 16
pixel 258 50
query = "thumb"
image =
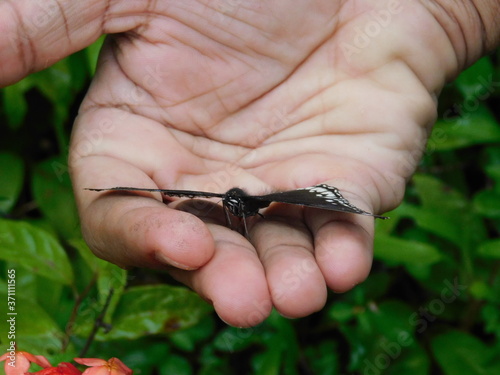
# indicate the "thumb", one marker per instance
pixel 36 34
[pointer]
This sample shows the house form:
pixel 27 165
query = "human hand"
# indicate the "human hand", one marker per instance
pixel 260 96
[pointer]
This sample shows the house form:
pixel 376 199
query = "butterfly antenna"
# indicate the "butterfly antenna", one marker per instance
pixel 378 216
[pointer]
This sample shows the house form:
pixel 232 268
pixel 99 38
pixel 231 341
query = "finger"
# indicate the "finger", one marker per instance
pixel 343 246
pixel 286 250
pixel 233 280
pixel 132 230
pixel 36 34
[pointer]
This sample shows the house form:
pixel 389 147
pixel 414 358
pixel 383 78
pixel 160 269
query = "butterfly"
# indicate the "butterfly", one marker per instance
pixel 240 204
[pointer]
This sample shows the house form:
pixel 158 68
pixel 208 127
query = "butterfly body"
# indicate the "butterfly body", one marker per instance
pixel 240 204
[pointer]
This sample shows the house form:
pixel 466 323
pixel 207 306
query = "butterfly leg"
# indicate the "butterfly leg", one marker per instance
pixel 236 209
pixel 228 218
pixel 244 219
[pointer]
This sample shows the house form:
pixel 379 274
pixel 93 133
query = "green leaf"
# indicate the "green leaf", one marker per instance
pixel 93 53
pixel 459 353
pixel 175 365
pixel 490 249
pixel 400 251
pixel 49 294
pixel 414 360
pixel 471 128
pixel 285 340
pixel 34 329
pixel 14 102
pixel 439 223
pixel 79 71
pixel 323 357
pixel 109 276
pixel 477 81
pixel 56 85
pixel 154 309
pixel 446 213
pixel 142 356
pixel 342 311
pixel 480 290
pixel 376 286
pixel 391 318
pixel 12 177
pixel 188 338
pixel 35 250
pixel 492 155
pixel 52 191
pixel 434 194
pixel 232 339
pixel 387 226
pixel 62 81
pixel 491 316
pixel 213 363
pixel 493 171
pixel 269 361
pixel 88 256
pixel 384 338
pixel 487 203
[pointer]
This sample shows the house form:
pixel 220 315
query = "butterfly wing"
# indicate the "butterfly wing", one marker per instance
pixel 170 193
pixel 319 196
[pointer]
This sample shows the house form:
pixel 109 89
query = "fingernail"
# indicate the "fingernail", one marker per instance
pixel 164 259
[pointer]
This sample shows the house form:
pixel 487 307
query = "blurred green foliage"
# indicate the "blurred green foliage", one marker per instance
pixel 430 306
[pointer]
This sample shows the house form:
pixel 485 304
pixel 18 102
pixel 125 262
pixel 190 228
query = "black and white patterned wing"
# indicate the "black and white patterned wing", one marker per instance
pixel 170 193
pixel 319 196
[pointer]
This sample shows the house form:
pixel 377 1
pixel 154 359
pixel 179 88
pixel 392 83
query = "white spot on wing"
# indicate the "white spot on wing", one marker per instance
pixel 331 195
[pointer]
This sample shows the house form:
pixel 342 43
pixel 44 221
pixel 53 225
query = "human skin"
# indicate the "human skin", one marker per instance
pixel 206 95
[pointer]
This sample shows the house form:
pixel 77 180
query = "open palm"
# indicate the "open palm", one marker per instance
pixel 264 96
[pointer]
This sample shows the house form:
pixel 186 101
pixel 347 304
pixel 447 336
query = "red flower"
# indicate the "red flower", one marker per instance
pixel 64 368
pixel 101 367
pixel 18 363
